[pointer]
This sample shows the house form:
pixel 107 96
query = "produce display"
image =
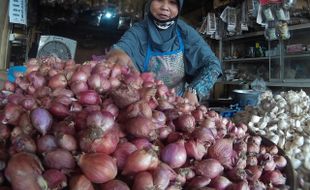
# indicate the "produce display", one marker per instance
pixel 101 125
pixel 284 119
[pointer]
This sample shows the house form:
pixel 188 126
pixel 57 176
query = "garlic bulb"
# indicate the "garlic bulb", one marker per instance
pixel 255 118
pixel 282 124
pixel 296 110
pixel 307 162
pixel 295 163
pixel 281 142
pixel 275 139
pixel 299 141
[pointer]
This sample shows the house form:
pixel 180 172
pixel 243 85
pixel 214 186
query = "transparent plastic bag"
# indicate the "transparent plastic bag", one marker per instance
pixel 259 85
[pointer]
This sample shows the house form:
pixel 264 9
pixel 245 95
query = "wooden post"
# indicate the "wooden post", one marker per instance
pixel 4 33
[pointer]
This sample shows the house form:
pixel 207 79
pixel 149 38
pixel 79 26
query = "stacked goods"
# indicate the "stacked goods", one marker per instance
pixel 104 126
pixel 284 119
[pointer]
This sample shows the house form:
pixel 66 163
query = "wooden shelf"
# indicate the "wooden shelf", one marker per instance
pixel 247 59
pixel 275 84
pixel 261 33
pixel 231 82
pixel 289 84
pixel 297 55
pixel 247 35
pixel 299 26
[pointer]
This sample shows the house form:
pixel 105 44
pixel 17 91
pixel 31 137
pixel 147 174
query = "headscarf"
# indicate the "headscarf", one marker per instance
pixel 162 40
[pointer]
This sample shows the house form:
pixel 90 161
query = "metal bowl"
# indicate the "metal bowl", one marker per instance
pixel 246 97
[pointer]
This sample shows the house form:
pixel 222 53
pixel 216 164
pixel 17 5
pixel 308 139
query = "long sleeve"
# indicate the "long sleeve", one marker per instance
pixel 202 64
pixel 204 81
pixel 207 75
pixel 134 43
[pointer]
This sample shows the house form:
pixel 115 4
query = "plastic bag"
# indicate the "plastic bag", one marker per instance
pixel 14 71
pixel 258 85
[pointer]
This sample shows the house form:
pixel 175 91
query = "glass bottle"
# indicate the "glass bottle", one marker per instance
pixel 258 50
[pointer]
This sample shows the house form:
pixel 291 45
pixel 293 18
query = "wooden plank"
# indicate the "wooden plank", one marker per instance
pixel 3 10
pixel 4 30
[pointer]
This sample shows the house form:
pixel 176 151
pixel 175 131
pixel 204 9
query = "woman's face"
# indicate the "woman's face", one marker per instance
pixel 164 9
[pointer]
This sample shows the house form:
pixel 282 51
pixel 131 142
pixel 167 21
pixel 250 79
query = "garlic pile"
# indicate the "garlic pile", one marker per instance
pixel 284 119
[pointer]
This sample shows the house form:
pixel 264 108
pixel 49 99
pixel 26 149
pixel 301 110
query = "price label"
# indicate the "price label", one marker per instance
pixel 18 11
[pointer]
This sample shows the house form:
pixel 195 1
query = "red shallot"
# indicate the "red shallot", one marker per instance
pixel 28 103
pixel 141 143
pixel 79 76
pixel 243 185
pixel 8 86
pixel 236 174
pixel 140 108
pixel 22 143
pixel 204 134
pixel 141 160
pixel 174 154
pixel 159 117
pixel 12 113
pixel 103 143
pixel 80 182
pixel 209 168
pixel 185 123
pixel 222 150
pixel 94 82
pixel 57 81
pixel 122 152
pixel 125 95
pixel 4 132
pixel 253 172
pixel 195 149
pixel 59 110
pixel 55 179
pixel 102 120
pixel 67 142
pixel 114 185
pixel 162 175
pixel 98 167
pixel 198 182
pixel 78 87
pixel 46 143
pixel 41 120
pixel 280 161
pixel 24 170
pixel 220 183
pixel 59 159
pixel 143 180
pixel 141 127
pixel 275 177
pixel 89 97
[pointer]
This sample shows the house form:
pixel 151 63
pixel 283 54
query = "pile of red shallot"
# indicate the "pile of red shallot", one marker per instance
pixel 101 125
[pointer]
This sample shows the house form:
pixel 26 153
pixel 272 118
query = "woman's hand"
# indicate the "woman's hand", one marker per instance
pixel 192 97
pixel 120 57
